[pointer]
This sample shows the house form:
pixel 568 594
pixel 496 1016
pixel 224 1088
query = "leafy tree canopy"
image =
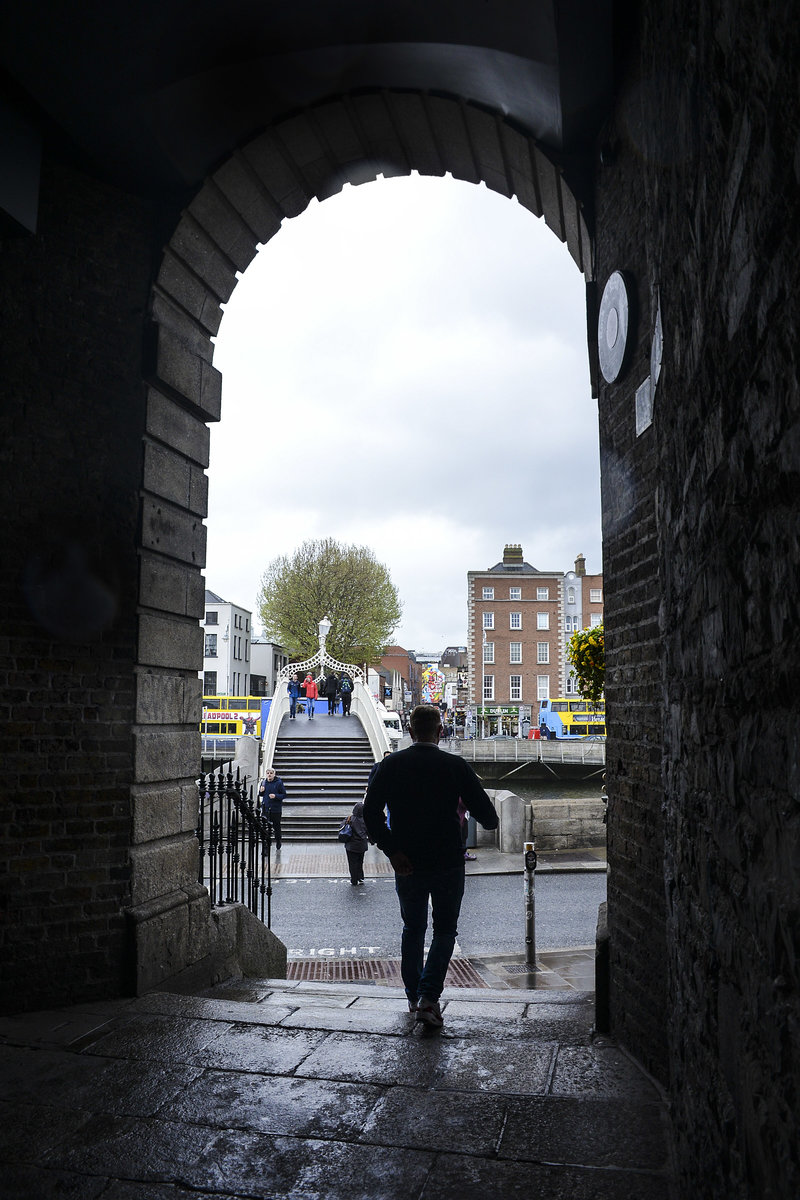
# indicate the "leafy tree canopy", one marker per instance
pixel 323 578
pixel 586 651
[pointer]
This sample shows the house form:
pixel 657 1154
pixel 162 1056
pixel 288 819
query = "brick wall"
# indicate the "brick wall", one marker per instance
pixel 698 199
pixel 72 418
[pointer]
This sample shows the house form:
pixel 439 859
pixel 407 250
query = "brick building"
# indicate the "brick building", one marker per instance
pixel 403 675
pixel 519 621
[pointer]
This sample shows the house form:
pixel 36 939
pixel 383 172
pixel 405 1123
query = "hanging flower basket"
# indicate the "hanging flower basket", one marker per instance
pixel 586 651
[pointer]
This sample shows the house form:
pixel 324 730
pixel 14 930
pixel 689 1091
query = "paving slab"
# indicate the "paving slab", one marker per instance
pixel 154 1037
pixel 379 1060
pixel 275 1104
pixel 600 1071
pixel 268 1011
pixel 471 1065
pixel 459 1177
pixel 562 1129
pixel 267 1050
pixel 362 1020
pixel 463 1122
pixel 90 1083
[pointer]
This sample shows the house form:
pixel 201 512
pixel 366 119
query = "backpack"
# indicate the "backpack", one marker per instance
pixel 346 685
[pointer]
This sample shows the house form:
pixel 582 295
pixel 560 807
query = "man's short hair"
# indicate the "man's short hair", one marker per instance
pixel 425 720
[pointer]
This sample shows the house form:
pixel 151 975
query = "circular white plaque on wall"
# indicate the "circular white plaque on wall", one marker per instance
pixel 612 327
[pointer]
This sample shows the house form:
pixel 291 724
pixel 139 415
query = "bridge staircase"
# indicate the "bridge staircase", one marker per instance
pixel 324 778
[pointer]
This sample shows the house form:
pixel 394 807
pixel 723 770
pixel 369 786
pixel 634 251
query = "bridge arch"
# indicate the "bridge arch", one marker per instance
pixel 312 154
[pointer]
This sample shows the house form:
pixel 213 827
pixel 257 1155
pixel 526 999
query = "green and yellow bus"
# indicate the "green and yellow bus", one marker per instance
pixel 571 717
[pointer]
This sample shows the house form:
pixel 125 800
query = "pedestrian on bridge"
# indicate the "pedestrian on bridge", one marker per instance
pixel 421 787
pixel 293 688
pixel 330 687
pixel 311 694
pixel 272 794
pixel 346 689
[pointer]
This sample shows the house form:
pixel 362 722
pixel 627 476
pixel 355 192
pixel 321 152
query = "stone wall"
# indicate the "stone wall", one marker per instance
pixel 698 198
pixel 72 416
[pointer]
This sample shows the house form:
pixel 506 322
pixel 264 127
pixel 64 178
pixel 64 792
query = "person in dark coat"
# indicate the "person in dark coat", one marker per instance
pixel 330 688
pixel 272 794
pixel 293 688
pixel 421 788
pixel 356 847
pixel 346 689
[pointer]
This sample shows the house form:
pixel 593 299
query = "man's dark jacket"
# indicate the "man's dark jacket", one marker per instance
pixel 421 786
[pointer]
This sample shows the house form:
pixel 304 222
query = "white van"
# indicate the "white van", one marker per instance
pixel 391 722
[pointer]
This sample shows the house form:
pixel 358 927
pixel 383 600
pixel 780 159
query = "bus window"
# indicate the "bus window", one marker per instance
pixel 559 706
pixel 578 730
pixel 544 704
pixel 576 705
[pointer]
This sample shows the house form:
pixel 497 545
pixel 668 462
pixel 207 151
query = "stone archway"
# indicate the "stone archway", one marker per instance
pixel 310 155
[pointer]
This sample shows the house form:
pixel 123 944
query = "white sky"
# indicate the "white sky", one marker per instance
pixel 405 367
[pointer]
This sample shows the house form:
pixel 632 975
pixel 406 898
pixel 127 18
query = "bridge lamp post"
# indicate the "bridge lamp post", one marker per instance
pixel 324 629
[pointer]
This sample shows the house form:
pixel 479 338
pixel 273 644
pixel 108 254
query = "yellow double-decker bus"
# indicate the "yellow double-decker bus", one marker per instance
pixel 231 716
pixel 571 717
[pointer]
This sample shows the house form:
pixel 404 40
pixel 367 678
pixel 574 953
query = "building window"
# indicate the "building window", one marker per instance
pixel 212 618
pixel 595 619
pixel 572 685
pixel 515 652
pixel 571 624
pixel 210 650
pixel 595 595
pixel 488 652
pixel 543 652
pixel 488 687
pixel 515 687
pixel 515 593
pixel 515 621
pixel 488 593
pixel 542 620
pixel 542 593
pixel 571 595
pixel 488 620
pixel 543 687
pixel 209 683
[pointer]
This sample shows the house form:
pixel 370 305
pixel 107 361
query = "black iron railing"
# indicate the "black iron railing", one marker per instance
pixel 235 841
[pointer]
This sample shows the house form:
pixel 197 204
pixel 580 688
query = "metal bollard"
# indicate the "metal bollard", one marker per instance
pixel 530 905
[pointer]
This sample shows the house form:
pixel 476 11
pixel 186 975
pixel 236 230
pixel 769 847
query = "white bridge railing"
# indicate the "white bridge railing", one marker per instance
pixel 528 750
pixel 363 704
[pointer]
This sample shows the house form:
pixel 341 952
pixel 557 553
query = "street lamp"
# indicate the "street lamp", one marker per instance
pixel 324 629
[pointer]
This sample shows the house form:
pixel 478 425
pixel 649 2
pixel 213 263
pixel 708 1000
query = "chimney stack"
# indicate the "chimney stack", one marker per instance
pixel 512 556
pixel 580 565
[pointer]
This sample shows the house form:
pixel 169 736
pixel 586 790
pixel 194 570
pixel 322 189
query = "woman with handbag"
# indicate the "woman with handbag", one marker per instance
pixel 357 844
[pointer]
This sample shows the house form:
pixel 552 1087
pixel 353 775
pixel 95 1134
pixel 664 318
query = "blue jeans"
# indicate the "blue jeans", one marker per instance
pixel 446 890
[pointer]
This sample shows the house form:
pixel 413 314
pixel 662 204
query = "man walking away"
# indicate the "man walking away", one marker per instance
pixel 346 689
pixel 420 787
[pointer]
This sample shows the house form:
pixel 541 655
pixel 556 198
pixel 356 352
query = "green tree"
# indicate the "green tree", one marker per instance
pixel 324 578
pixel 587 653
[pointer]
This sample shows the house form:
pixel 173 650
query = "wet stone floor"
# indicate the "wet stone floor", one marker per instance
pixel 273 1089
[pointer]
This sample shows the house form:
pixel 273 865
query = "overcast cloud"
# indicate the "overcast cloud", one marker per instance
pixel 404 367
